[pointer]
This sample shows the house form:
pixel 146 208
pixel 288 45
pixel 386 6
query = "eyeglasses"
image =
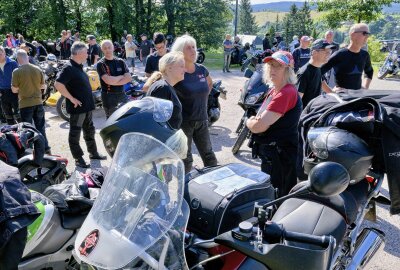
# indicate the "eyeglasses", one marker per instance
pixel 364 33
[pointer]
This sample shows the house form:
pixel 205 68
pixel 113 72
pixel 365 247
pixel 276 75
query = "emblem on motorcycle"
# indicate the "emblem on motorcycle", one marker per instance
pixel 89 243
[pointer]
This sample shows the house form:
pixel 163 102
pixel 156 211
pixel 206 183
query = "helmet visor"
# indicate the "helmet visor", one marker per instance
pixel 318 140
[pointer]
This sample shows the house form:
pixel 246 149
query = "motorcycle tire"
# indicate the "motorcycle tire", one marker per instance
pixel 383 70
pixel 62 108
pixel 240 126
pixel 240 140
pixel 31 177
pixel 200 58
pixel 244 58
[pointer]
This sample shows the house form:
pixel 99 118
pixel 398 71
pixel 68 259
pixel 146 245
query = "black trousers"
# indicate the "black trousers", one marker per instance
pixel 112 101
pixel 35 115
pixel 11 253
pixel 9 104
pixel 197 131
pixel 78 123
pixel 280 163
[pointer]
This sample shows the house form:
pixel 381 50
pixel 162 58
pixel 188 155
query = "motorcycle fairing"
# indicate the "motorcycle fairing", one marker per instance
pixel 136 209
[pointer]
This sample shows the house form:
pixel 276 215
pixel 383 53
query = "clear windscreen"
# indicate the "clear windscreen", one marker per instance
pixel 139 205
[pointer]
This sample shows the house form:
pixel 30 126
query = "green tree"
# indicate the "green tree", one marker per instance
pixel 298 22
pixel 338 11
pixel 247 21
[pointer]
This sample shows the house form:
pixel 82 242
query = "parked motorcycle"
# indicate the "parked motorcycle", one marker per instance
pixel 50 68
pixel 239 54
pixel 213 105
pixel 143 215
pixel 251 98
pixel 391 65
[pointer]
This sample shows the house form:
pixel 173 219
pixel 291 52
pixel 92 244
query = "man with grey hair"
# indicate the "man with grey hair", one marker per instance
pixel 329 75
pixel 114 74
pixel 350 63
pixel 9 100
pixel 27 82
pixel 73 83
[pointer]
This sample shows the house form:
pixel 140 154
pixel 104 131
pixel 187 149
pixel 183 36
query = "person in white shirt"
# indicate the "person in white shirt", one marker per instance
pixel 130 51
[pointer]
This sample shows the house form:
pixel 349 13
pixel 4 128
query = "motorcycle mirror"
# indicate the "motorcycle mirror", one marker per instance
pixel 248 73
pixel 328 179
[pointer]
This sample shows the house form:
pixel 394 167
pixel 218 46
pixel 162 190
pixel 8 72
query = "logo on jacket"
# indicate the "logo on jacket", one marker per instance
pixel 394 154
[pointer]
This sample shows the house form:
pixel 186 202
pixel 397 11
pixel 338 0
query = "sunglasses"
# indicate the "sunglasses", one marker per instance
pixel 364 33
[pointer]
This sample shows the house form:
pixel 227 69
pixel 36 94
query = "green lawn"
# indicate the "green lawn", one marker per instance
pixel 215 60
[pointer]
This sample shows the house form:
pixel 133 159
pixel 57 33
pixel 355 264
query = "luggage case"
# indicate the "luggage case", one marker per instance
pixel 221 197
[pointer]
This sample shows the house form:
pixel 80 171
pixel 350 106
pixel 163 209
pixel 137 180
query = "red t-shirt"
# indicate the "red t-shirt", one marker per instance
pixel 284 100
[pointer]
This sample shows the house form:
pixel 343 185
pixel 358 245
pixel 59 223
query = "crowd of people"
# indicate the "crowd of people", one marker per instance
pixel 296 78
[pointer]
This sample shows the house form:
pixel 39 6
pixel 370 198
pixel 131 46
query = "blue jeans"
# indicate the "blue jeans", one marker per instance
pixel 130 62
pixel 35 115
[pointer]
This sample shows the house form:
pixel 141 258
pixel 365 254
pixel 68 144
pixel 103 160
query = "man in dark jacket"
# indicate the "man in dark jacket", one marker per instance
pixel 266 44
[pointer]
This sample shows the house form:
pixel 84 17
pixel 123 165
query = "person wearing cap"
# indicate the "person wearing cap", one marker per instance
pixel 309 76
pixel 160 44
pixel 350 63
pixel 114 74
pixel 93 51
pixel 274 128
pixel 302 54
pixel 146 48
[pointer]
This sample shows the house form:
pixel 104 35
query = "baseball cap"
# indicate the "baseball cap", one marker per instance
pixel 283 57
pixel 305 38
pixel 321 44
pixel 91 37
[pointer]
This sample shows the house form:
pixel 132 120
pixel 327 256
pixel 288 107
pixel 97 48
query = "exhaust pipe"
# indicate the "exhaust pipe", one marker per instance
pixel 368 243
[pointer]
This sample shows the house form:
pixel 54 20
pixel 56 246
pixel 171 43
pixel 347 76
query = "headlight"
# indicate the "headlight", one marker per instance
pixel 252 99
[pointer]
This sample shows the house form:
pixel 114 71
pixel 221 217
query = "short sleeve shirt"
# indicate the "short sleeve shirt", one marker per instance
pixel 161 89
pixel 284 100
pixel 227 43
pixel 77 83
pixel 193 94
pixel 115 67
pixel 152 63
pixel 145 47
pixel 29 79
pixel 309 82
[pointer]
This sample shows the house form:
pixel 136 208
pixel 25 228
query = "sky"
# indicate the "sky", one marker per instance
pixel 268 1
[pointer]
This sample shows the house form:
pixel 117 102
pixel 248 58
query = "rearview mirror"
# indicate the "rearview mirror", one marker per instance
pixel 328 179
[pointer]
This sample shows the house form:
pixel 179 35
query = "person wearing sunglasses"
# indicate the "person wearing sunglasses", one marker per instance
pixel 350 63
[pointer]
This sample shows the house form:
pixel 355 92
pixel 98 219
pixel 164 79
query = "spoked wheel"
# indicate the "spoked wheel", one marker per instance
pixel 384 70
pixel 240 140
pixel 62 108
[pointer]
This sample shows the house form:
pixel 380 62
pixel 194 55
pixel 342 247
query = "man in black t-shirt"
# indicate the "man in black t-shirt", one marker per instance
pixel 160 44
pixel 309 76
pixel 350 63
pixel 146 48
pixel 94 50
pixel 114 74
pixel 302 54
pixel 73 83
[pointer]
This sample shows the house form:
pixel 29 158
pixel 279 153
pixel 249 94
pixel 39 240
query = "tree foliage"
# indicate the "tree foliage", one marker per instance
pixel 247 21
pixel 298 22
pixel 206 20
pixel 338 11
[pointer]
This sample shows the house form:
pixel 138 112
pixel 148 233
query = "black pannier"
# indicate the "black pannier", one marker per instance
pixel 221 197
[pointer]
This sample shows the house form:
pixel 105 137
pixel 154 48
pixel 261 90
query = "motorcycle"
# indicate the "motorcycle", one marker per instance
pixel 239 55
pixel 50 68
pixel 251 98
pixel 144 216
pixel 391 65
pixel 200 55
pixel 213 105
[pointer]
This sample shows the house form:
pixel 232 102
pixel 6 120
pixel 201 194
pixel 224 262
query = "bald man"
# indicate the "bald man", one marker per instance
pixel 114 74
pixel 350 63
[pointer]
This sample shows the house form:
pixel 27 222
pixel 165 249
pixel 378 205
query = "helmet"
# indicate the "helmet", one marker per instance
pixel 51 58
pixel 149 116
pixel 341 146
pixel 213 115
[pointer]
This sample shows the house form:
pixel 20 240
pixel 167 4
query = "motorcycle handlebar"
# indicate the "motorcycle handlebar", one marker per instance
pixel 322 241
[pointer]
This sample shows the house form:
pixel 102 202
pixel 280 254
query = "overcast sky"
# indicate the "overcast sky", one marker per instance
pixel 268 1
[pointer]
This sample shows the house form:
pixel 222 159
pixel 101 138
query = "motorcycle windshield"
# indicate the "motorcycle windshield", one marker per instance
pixel 139 207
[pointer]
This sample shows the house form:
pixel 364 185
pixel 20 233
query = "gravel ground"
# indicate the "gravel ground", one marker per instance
pixel 223 136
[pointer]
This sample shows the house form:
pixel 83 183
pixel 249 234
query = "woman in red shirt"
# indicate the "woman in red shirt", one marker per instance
pixel 274 128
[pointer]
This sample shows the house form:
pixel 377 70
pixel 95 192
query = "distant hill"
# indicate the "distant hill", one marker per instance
pixel 285 7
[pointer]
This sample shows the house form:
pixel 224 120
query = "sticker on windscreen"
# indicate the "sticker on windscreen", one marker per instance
pixel 89 243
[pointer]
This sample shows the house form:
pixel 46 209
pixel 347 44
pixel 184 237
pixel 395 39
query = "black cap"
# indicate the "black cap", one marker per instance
pixel 91 37
pixel 321 44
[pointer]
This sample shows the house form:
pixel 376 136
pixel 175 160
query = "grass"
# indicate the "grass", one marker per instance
pixel 215 60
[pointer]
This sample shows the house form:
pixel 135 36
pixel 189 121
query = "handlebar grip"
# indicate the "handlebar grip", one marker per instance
pixel 322 241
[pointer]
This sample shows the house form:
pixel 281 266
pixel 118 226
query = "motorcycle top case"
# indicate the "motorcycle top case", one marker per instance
pixel 221 197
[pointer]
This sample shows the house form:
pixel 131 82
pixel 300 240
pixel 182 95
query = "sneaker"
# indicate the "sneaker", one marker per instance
pixel 80 162
pixel 97 156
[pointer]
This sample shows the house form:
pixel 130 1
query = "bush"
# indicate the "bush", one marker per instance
pixel 374 47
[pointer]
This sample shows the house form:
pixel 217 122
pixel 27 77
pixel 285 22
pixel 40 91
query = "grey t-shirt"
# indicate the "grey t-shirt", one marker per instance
pixel 193 93
pixel 225 43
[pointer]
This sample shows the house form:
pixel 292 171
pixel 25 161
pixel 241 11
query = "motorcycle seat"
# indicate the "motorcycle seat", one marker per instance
pixel 305 216
pixel 72 221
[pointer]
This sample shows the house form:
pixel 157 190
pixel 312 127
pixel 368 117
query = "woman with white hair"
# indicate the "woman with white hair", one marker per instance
pixel 193 93
pixel 161 83
pixel 275 133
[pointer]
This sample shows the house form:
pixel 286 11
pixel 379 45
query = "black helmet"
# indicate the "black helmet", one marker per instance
pixel 149 116
pixel 341 146
pixel 213 115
